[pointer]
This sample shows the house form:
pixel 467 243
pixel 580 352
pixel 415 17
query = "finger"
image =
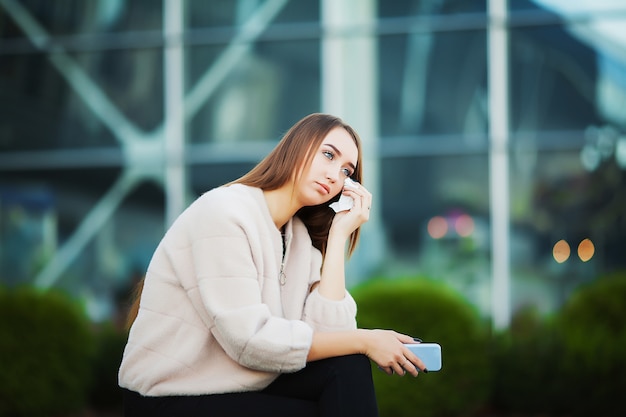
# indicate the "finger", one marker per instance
pixel 415 361
pixel 404 338
pixel 398 368
pixel 404 366
pixel 357 187
pixel 366 198
pixel 360 203
pixel 352 192
pixel 387 370
pixel 410 367
pixel 367 201
pixel 363 200
pixel 360 192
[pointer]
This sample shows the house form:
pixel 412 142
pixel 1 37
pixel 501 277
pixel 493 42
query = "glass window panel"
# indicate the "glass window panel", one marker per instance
pixel 40 110
pixel 407 8
pixel 132 80
pixel 553 80
pixel 27 230
pixel 435 212
pixel 263 93
pixel 554 197
pixel 204 177
pixel 427 187
pixel 568 90
pixel 433 84
pixel 567 8
pixel 82 17
pixel 569 76
pixel 203 14
pixel 525 5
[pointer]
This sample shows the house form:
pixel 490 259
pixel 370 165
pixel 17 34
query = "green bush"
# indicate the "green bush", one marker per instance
pixel 45 354
pixel 435 313
pixel 527 370
pixel 105 394
pixel 592 327
pixel 572 363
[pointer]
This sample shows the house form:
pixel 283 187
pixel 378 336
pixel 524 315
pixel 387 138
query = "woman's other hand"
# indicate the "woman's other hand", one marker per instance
pixel 386 348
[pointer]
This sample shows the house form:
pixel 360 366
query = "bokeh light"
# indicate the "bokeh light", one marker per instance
pixel 561 251
pixel 464 225
pixel 437 227
pixel 586 250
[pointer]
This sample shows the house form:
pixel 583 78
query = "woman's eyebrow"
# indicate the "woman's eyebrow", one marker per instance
pixel 338 152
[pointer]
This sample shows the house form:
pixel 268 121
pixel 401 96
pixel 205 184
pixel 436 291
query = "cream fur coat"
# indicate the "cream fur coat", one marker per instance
pixel 213 316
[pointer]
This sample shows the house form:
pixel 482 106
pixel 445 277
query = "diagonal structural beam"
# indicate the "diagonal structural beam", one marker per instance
pixel 75 76
pixel 87 229
pixel 238 48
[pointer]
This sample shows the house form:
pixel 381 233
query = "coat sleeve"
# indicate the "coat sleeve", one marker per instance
pixel 327 315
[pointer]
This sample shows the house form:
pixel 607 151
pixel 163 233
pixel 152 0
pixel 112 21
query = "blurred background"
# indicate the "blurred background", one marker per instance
pixel 494 135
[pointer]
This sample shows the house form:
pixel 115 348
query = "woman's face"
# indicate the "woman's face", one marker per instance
pixel 333 162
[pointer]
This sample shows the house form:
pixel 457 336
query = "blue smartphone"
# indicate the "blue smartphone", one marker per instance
pixel 429 353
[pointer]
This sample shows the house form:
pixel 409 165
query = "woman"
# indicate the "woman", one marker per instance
pixel 244 308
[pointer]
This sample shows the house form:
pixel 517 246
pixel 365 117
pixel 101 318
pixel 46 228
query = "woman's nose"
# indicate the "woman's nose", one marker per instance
pixel 332 175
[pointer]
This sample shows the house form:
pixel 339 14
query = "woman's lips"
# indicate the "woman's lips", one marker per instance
pixel 325 187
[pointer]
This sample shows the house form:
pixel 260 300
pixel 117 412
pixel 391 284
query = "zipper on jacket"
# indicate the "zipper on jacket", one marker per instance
pixel 282 278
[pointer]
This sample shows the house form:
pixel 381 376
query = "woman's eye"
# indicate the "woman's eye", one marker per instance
pixel 346 172
pixel 329 154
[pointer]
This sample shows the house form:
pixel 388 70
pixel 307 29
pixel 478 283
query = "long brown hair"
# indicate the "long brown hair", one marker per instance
pixel 296 150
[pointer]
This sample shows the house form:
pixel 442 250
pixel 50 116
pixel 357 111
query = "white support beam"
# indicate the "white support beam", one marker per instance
pixel 350 90
pixel 498 52
pixel 175 182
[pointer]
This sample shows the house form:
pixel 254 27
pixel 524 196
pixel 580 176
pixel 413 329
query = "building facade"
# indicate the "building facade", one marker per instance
pixel 494 133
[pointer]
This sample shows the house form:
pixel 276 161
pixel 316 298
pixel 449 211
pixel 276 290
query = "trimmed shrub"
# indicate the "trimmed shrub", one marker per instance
pixel 592 327
pixel 45 354
pixel 526 362
pixel 433 312
pixel 105 394
pixel 570 364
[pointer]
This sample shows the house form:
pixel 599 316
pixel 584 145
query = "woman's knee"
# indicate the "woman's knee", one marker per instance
pixel 352 361
pixel 357 365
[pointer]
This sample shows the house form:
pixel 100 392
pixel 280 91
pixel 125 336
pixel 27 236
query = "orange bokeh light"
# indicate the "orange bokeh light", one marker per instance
pixel 586 250
pixel 437 227
pixel 561 251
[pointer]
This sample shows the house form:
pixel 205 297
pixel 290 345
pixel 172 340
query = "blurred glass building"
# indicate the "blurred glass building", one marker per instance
pixel 494 132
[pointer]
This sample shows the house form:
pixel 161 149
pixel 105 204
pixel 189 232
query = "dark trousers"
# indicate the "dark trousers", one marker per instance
pixel 340 386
